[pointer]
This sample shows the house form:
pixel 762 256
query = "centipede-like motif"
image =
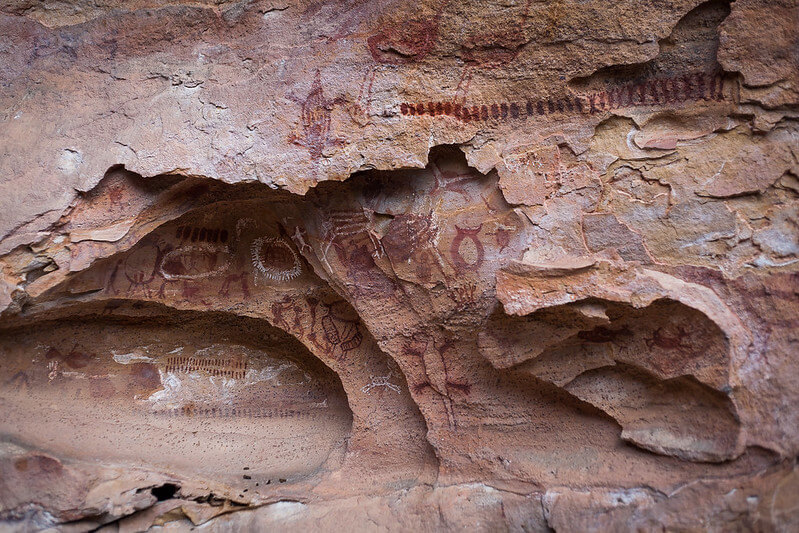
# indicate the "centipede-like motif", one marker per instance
pixel 657 91
pixel 275 258
pixel 195 261
pixel 353 342
pixel 330 330
pixel 223 367
pixel 234 412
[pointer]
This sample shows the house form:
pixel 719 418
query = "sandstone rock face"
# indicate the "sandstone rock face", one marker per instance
pixel 437 265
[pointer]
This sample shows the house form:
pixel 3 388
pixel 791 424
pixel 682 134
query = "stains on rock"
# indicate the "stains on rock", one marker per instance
pixel 578 310
pixel 641 347
pixel 388 286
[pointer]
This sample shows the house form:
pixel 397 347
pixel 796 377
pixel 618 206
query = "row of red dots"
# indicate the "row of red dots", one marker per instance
pixel 697 86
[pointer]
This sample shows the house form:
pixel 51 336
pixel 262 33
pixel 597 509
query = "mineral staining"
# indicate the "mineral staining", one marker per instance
pixel 395 265
pixel 184 401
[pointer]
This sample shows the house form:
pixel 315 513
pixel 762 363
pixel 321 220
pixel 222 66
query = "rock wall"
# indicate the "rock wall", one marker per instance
pixel 392 265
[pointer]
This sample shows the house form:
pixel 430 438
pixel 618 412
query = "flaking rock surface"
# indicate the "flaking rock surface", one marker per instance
pixel 524 265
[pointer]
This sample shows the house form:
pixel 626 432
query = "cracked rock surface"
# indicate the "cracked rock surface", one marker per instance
pixel 476 265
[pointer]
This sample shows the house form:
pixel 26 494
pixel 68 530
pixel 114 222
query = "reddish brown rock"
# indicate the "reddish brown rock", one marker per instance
pixel 438 266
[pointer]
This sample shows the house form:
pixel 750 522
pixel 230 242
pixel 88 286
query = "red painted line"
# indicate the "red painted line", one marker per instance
pixel 657 91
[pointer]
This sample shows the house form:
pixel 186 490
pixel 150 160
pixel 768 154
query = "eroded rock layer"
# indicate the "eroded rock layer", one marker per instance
pixel 517 266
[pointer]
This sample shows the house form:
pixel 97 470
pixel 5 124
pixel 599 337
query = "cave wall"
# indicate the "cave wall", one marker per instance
pixel 517 265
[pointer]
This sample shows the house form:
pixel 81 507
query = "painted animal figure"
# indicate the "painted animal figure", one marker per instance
pixel 315 115
pixel 73 359
pixel 405 43
pixel 472 234
pixel 140 268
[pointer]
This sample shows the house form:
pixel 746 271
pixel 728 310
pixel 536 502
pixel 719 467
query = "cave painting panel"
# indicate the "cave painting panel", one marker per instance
pixel 205 264
pixel 446 224
pixel 182 399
